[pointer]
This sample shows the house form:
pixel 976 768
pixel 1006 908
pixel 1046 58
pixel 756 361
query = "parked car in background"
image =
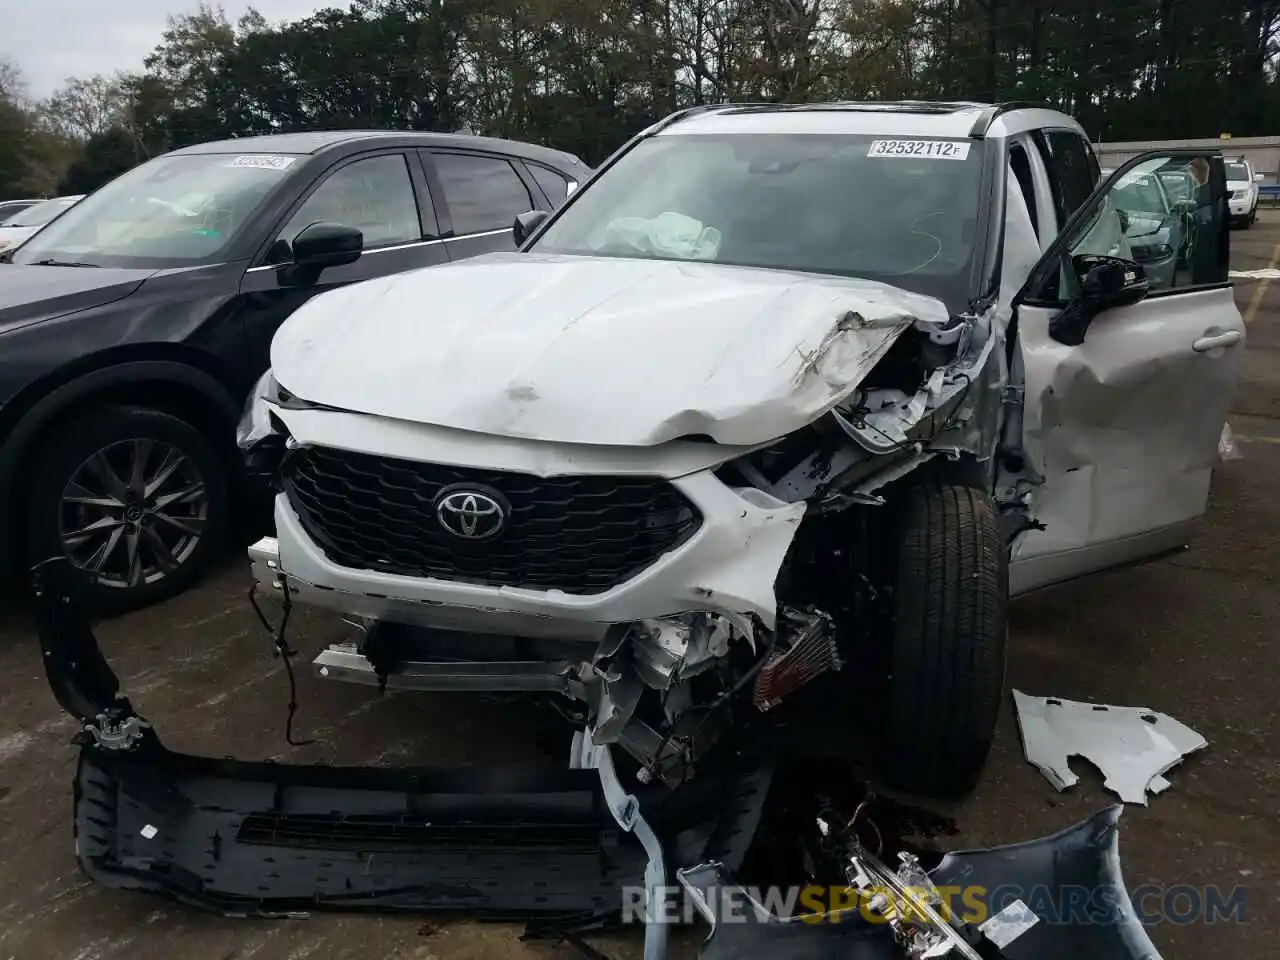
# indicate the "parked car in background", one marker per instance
pixel 1178 185
pixel 11 208
pixel 132 327
pixel 26 222
pixel 1242 183
pixel 1154 226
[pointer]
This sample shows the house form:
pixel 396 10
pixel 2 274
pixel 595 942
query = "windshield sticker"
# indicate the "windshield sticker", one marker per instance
pixel 263 162
pixel 927 149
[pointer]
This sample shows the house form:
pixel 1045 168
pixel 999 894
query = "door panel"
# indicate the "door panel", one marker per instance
pixel 384 195
pixel 1123 428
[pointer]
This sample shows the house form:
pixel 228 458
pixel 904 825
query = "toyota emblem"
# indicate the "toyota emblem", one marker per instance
pixel 471 513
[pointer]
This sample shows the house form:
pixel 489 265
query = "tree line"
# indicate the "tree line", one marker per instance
pixel 582 75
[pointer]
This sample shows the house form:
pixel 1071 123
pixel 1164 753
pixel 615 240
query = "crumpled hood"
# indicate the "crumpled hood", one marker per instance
pixel 594 350
pixel 29 294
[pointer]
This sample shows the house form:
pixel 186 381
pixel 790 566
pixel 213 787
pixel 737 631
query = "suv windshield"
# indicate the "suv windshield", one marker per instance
pixel 1237 171
pixel 182 210
pixel 822 203
pixel 40 213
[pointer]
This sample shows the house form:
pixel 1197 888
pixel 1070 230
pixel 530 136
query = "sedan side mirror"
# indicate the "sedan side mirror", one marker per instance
pixel 525 223
pixel 1105 283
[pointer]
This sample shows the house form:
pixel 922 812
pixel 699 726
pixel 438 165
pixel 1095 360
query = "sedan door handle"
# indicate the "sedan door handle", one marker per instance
pixel 1228 339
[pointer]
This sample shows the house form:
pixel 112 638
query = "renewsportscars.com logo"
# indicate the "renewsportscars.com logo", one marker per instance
pixel 1069 905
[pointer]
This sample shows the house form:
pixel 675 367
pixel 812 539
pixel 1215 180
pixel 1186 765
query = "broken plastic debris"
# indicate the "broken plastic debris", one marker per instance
pixel 1131 746
pixel 1228 449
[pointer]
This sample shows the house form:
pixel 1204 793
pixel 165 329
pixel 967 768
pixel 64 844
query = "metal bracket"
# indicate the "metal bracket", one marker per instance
pixel 625 808
pixel 119 735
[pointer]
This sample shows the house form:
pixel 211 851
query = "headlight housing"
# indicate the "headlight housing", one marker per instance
pixel 257 422
pixel 260 435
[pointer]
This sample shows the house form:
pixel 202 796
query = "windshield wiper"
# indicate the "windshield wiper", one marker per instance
pixel 61 263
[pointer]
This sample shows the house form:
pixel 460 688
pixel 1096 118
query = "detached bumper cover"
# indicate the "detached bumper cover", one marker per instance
pixel 265 839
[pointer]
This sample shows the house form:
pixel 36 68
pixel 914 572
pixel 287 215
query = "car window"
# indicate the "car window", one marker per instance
pixel 10 210
pixel 1177 186
pixel 176 210
pixel 1237 171
pixel 904 212
pixel 1178 247
pixel 1021 167
pixel 1073 170
pixel 41 213
pixel 374 195
pixel 553 184
pixel 483 193
pixel 1140 193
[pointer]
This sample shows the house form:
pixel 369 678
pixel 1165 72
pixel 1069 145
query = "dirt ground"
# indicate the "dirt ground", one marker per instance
pixel 1193 636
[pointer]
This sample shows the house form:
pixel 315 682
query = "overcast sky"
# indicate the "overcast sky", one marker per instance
pixel 50 40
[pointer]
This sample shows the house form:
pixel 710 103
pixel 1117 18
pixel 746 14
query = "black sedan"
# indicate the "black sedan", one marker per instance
pixel 133 327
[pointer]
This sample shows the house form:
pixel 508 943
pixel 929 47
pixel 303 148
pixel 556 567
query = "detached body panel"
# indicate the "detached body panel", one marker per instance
pixel 1071 882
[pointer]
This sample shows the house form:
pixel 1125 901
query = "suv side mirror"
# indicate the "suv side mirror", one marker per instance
pixel 1105 283
pixel 327 245
pixel 525 223
pixel 1258 178
pixel 317 246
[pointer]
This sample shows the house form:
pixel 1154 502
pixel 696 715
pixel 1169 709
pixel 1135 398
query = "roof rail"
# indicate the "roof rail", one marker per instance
pixel 990 111
pixel 996 110
pixel 682 114
pixel 916 106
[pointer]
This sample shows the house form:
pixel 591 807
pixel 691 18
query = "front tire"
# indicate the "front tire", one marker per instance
pixel 948 641
pixel 137 499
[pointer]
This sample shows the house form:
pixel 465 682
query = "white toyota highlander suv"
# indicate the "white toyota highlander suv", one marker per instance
pixel 785 401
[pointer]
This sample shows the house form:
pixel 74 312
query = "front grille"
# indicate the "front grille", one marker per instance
pixel 582 535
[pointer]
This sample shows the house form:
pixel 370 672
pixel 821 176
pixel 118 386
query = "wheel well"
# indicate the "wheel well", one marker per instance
pixel 174 397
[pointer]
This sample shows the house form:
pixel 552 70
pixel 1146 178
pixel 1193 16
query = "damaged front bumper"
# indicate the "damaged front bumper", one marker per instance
pixel 269 839
pixel 266 839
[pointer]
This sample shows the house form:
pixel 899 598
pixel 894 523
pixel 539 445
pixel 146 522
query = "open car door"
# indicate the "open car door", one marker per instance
pixel 1126 355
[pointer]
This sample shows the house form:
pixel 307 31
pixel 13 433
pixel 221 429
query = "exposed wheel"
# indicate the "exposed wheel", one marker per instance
pixel 135 498
pixel 1253 217
pixel 948 639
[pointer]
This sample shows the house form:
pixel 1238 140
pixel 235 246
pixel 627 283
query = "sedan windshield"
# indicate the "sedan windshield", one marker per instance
pixel 901 212
pixel 180 210
pixel 41 213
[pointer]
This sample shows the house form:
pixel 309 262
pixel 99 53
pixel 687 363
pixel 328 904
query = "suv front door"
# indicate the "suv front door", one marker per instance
pixel 383 194
pixel 1122 405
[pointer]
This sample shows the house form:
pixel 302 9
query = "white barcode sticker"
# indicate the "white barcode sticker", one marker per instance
pixel 266 161
pixel 924 149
